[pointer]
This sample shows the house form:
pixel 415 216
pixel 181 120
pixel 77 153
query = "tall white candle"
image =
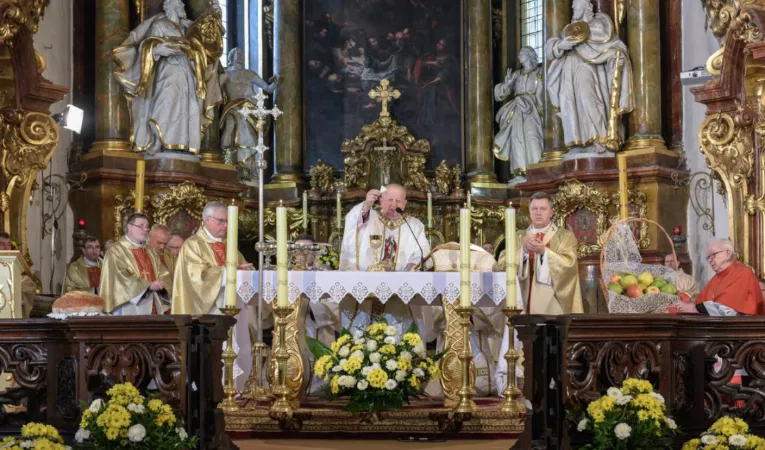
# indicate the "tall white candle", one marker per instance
pixel 465 297
pixel 305 211
pixel 430 209
pixel 232 255
pixel 339 208
pixel 282 298
pixel 510 256
pixel 469 201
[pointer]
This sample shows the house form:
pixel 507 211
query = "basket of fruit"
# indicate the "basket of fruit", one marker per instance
pixel 629 285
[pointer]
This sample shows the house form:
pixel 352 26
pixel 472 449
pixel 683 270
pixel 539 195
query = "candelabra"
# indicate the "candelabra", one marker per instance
pixel 511 405
pixel 466 392
pixel 282 404
pixel 229 355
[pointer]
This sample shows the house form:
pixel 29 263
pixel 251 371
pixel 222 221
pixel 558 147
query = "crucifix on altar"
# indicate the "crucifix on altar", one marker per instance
pixel 384 94
pixel 386 156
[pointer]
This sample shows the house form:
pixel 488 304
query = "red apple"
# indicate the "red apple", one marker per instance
pixel 634 291
pixel 615 279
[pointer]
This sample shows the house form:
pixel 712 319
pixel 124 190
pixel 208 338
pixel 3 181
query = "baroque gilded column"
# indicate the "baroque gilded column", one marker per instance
pixel 479 112
pixel 644 43
pixel 288 65
pixel 557 16
pixel 112 122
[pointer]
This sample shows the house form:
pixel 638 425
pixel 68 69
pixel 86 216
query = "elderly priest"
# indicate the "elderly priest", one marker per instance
pixel 133 280
pixel 403 245
pixel 84 274
pixel 733 289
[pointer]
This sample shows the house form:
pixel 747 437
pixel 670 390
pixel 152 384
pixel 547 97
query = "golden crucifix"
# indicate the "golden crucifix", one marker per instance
pixel 385 157
pixel 384 94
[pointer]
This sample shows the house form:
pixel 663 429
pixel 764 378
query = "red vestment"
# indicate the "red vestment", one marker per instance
pixel 735 287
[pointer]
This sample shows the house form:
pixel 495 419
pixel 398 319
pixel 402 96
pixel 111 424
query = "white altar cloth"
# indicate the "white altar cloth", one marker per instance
pixel 415 288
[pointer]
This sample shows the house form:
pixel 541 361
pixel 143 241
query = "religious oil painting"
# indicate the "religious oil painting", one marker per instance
pixel 352 45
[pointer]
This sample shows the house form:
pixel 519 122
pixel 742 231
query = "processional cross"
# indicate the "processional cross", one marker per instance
pixel 260 113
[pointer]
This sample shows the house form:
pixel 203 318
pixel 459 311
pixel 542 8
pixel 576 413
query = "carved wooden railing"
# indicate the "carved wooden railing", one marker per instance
pixel 573 359
pixel 58 364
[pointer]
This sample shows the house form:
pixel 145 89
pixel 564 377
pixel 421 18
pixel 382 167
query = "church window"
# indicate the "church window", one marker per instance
pixel 532 34
pixel 224 19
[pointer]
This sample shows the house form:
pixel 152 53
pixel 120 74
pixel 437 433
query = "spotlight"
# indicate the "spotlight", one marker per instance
pixel 70 118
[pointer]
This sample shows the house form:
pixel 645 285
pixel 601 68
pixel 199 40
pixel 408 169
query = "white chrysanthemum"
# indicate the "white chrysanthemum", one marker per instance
pixel 657 396
pixel 582 425
pixel 405 355
pixel 622 431
pixel 670 423
pixel 737 440
pixel 27 444
pixel 623 400
pixel 400 375
pixel 367 370
pixel 362 385
pixel 614 392
pixel 390 340
pixel 419 372
pixel 96 405
pixel 138 409
pixel 344 351
pixel 182 433
pixel 359 341
pixel 419 349
pixel 391 330
pixel 82 435
pixel 390 384
pixel 136 433
pixel 391 364
pixel 346 381
pixel 358 334
pixel 375 357
pixel 337 368
pixel 358 354
pixel 371 345
pixel 375 366
pixel 709 439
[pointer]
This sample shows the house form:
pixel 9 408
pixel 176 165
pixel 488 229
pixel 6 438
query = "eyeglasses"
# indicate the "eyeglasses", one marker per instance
pixel 711 256
pixel 143 227
pixel 220 221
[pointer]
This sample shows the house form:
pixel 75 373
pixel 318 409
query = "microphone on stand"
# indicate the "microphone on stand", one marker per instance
pixel 422 254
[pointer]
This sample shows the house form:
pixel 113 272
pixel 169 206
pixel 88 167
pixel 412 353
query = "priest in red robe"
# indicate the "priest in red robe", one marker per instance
pixel 733 290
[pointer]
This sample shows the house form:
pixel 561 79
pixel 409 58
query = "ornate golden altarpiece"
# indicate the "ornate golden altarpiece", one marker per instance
pixel 731 135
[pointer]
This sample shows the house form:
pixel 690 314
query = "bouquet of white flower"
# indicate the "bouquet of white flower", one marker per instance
pixel 375 368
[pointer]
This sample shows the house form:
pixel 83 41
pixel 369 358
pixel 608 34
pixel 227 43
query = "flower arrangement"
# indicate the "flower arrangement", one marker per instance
pixel 330 259
pixel 632 417
pixel 726 433
pixel 128 420
pixel 374 368
pixel 35 436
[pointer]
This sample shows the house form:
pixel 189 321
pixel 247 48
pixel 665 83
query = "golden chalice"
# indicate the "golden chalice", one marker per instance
pixel 375 241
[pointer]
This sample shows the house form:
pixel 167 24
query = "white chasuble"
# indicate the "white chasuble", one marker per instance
pixel 400 245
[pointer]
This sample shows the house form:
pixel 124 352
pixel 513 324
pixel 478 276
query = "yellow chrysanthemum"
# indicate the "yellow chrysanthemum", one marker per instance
pixel 414 382
pixel 342 340
pixel 357 347
pixel 377 378
pixel 351 365
pixel 636 386
pixel 388 349
pixel 165 416
pixel 411 339
pixel 155 405
pixel 376 328
pixel 404 363
pixel 322 365
pixel 124 394
pixel 598 409
pixel 335 385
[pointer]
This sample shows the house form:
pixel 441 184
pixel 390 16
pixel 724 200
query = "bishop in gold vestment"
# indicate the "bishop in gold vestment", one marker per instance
pixel 200 278
pixel 133 281
pixel 84 274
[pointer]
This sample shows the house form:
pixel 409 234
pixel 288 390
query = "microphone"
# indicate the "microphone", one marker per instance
pixel 422 254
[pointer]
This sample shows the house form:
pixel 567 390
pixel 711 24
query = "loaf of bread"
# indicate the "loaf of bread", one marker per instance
pixel 78 302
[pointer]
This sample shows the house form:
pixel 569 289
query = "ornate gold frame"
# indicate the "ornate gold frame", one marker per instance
pixel 575 195
pixel 186 196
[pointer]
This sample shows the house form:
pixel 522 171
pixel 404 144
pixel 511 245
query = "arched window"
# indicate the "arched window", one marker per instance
pixel 532 25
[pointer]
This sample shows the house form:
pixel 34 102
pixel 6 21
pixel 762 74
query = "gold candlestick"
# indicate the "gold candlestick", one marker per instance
pixel 467 391
pixel 258 392
pixel 281 405
pixel 511 405
pixel 229 403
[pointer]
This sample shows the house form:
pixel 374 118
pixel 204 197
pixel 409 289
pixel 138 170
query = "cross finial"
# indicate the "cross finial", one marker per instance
pixel 260 113
pixel 384 94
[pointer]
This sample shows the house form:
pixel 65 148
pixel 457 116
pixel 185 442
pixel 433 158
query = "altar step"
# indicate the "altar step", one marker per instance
pixel 340 444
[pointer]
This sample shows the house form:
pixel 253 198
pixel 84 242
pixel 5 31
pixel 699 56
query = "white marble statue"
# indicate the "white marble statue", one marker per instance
pixel 169 79
pixel 520 120
pixel 580 78
pixel 239 84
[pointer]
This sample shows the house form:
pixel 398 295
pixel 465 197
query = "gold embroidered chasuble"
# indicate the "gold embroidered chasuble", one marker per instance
pixel 199 275
pixel 78 277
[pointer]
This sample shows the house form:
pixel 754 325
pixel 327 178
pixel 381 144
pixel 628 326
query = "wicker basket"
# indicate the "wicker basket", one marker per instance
pixel 648 303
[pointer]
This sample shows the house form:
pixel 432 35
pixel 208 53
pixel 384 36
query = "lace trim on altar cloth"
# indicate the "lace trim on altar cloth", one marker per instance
pixel 64 316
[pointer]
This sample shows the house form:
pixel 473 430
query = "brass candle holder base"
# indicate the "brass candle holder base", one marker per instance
pixel 465 404
pixel 229 403
pixel 511 405
pixel 281 405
